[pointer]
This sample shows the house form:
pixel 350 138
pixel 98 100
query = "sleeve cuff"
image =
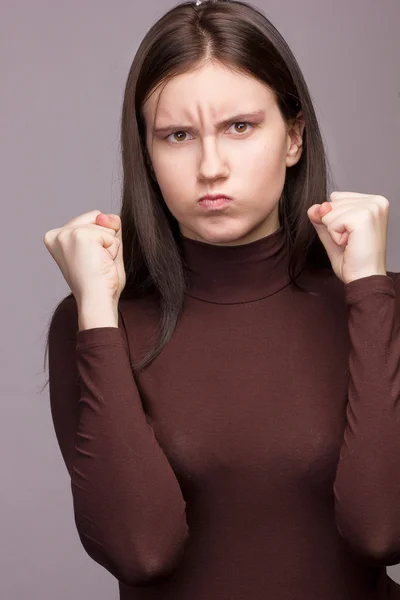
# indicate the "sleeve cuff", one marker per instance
pixel 100 336
pixel 354 290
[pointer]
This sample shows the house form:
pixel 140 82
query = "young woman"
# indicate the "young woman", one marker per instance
pixel 225 375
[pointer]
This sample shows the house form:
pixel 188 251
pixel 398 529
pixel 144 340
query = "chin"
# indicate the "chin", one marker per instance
pixel 223 235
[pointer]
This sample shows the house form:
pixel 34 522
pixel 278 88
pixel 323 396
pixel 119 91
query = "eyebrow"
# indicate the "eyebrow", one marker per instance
pixel 235 118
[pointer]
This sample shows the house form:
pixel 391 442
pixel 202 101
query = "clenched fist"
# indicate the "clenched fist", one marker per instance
pixel 88 251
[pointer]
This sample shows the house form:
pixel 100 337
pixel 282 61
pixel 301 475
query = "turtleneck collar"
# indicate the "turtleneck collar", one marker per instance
pixel 235 274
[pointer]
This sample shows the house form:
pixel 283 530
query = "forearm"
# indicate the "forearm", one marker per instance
pixel 128 505
pixel 129 508
pixel 367 483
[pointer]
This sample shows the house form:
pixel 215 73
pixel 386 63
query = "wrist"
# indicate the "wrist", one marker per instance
pixel 97 312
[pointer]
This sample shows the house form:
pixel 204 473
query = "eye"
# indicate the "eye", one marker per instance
pixel 242 123
pixel 174 133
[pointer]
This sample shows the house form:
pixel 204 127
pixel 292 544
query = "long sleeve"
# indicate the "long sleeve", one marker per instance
pixel 367 484
pixel 128 506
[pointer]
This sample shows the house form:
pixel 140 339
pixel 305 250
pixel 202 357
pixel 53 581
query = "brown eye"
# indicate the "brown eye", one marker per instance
pixel 177 133
pixel 176 136
pixel 240 124
pixel 241 130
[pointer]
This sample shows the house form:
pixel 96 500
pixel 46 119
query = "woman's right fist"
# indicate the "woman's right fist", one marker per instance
pixel 88 251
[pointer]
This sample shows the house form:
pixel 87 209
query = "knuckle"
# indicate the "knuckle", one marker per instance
pixel 117 219
pixel 375 209
pixel 78 233
pixel 369 215
pixel 384 202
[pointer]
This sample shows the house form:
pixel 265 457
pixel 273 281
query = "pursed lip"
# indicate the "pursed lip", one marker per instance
pixel 214 197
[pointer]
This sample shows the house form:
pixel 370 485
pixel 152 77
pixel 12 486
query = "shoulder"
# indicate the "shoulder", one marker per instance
pixel 66 311
pixel 325 284
pixel 395 281
pixel 395 276
pixel 133 312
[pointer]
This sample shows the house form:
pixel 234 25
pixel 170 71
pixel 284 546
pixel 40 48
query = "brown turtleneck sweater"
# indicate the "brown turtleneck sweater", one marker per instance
pixel 257 457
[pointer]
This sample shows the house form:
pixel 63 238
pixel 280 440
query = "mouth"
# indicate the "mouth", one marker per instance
pixel 216 202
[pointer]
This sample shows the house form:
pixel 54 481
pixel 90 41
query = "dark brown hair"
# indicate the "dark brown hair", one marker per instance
pixel 240 37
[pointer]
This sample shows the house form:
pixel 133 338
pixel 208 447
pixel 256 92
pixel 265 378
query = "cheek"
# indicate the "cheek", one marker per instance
pixel 174 168
pixel 264 165
pixel 270 154
pixel 176 185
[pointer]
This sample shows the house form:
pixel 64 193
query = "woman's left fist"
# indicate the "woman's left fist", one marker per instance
pixel 353 229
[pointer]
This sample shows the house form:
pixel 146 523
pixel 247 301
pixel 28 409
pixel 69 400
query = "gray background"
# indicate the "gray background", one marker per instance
pixel 63 69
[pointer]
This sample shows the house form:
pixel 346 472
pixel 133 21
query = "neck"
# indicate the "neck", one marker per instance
pixel 235 274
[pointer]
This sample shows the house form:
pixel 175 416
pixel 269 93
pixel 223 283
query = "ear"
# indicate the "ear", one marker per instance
pixel 295 139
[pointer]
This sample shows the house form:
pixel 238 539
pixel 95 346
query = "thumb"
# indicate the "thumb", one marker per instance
pixel 315 213
pixel 110 220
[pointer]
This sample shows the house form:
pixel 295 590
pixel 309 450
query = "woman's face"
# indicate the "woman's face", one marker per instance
pixel 193 153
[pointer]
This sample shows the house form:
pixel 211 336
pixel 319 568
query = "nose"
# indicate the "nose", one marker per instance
pixel 212 164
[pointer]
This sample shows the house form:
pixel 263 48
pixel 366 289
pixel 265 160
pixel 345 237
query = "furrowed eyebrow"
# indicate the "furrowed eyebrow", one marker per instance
pixel 234 119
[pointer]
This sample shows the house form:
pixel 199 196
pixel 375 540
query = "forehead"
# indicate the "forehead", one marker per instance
pixel 212 90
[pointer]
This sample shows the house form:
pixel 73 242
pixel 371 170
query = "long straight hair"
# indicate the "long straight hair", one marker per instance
pixel 240 37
